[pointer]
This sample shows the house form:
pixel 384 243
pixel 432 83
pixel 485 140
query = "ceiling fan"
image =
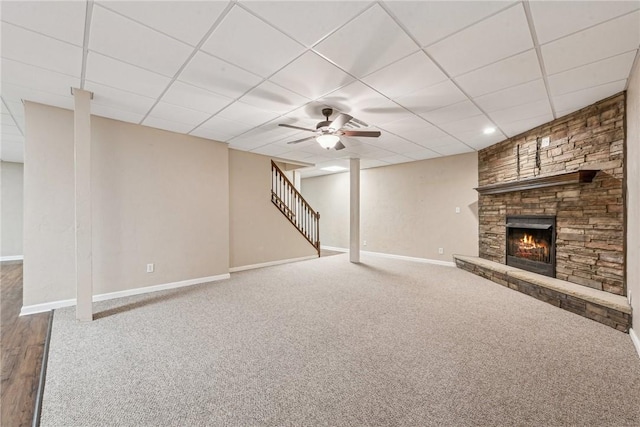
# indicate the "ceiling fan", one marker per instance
pixel 328 133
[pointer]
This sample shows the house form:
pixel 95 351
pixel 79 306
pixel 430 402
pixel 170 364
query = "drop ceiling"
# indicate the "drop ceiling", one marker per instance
pixel 431 76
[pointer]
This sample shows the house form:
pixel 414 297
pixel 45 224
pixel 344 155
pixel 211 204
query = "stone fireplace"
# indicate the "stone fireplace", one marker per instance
pixel 575 177
pixel 530 243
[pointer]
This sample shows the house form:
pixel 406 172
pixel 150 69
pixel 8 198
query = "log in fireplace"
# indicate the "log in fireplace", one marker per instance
pixel 531 243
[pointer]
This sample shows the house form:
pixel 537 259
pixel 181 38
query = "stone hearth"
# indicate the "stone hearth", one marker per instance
pixel 604 307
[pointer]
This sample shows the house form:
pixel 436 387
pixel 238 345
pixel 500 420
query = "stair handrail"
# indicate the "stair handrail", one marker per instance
pixel 309 225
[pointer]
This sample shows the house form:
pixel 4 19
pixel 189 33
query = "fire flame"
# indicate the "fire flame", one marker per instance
pixel 528 242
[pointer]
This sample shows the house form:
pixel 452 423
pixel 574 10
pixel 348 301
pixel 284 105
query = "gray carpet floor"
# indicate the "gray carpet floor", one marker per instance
pixel 327 342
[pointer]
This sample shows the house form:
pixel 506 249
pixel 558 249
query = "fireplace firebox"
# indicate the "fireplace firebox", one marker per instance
pixel 531 243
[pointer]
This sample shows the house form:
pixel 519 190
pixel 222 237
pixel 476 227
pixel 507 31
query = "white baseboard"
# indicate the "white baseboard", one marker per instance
pixel 12 258
pixel 392 256
pixel 333 248
pixel 270 263
pixel 635 339
pixel 40 308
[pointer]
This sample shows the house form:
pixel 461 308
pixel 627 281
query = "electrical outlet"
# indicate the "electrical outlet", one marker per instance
pixel 364 243
pixel 545 142
pixel 457 210
pixel 149 268
pixel 440 251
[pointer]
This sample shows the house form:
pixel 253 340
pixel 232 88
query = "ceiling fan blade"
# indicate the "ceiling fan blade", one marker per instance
pixel 339 146
pixel 369 133
pixel 296 127
pixel 300 140
pixel 340 121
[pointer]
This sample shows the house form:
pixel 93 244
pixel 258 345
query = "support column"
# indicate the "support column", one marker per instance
pixel 354 210
pixel 82 175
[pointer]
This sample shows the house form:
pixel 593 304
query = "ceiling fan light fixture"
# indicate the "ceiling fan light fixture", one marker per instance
pixel 327 141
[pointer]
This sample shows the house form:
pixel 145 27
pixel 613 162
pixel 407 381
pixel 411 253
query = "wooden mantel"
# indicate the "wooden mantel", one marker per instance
pixel 576 177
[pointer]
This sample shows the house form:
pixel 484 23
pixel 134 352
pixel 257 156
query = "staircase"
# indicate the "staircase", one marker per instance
pixel 293 206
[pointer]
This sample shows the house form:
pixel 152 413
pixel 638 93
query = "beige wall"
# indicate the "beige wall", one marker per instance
pixel 329 195
pixel 406 209
pixel 11 182
pixel 158 197
pixel 259 233
pixel 633 194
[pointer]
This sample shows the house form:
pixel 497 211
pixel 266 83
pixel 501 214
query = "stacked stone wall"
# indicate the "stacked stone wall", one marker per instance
pixel 590 223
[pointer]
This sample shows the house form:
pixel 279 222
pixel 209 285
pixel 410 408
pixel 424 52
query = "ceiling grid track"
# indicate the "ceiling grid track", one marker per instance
pixel 12 116
pixel 190 57
pixel 406 30
pixel 536 44
pixel 85 42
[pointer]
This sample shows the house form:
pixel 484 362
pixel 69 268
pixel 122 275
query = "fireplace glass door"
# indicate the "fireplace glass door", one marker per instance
pixel 531 244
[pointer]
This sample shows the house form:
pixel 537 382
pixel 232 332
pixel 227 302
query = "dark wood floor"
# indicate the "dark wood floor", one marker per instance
pixel 22 343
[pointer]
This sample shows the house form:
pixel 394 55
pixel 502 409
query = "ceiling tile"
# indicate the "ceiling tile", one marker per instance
pixel 423 154
pixel 417 71
pixel 453 149
pixel 573 101
pixel 475 124
pixel 119 99
pixel 12 151
pixel 17 93
pixel 37 78
pixel 493 39
pixel 218 76
pixel 299 19
pixel 452 113
pixel 41 51
pixel 63 20
pixel 170 17
pixel 218 134
pixel 521 112
pixel 517 127
pixel 176 113
pixel 115 113
pixel 434 142
pixel 372 163
pixel 430 21
pixel 311 76
pixel 513 96
pixel 367 43
pixel 594 74
pixel 432 97
pixel 164 124
pixel 128 41
pixel 478 140
pixel 12 138
pixel 195 98
pixel 246 114
pixel 7 120
pixel 397 158
pixel 555 19
pixel 117 74
pixel 407 124
pixel 380 113
pixel 393 143
pixel 15 107
pixel 269 96
pixel 353 97
pixel 11 129
pixel 271 150
pixel 230 127
pixel 296 155
pixel 518 69
pixel 603 41
pixel 263 49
